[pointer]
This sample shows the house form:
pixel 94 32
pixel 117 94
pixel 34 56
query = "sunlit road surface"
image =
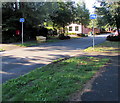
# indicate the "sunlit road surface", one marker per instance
pixel 22 60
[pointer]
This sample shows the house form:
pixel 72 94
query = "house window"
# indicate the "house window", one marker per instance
pixel 76 28
pixel 70 28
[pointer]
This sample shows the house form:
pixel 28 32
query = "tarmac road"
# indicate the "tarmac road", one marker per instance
pixel 22 60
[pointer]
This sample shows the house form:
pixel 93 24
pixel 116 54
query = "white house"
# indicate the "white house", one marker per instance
pixel 79 29
pixel 74 28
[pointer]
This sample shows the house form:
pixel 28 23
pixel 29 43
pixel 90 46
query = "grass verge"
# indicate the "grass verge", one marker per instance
pixel 53 82
pixel 1 50
pixel 107 46
pixel 27 44
pixel 35 43
pixel 53 40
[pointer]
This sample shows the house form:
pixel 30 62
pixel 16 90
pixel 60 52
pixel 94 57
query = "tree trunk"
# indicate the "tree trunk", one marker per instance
pixel 22 8
pixel 53 25
pixel 16 6
pixel 63 28
pixel 117 25
pixel 118 31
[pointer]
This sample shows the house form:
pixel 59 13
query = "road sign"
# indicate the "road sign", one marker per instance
pixel 93 16
pixel 22 19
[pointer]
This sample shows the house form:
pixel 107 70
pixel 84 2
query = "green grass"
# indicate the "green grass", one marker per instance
pixel 53 39
pixel 53 82
pixel 107 46
pixel 75 37
pixel 33 43
pixel 1 50
pixel 27 44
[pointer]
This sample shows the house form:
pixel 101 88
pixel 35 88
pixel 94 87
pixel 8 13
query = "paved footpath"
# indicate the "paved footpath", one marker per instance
pixel 22 60
pixel 104 85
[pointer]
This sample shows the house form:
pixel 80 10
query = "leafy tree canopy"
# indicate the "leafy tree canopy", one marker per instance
pixel 109 13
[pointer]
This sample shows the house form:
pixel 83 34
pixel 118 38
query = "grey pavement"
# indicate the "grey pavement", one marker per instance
pixel 105 86
pixel 22 60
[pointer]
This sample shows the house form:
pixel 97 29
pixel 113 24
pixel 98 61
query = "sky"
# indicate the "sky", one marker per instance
pixel 89 4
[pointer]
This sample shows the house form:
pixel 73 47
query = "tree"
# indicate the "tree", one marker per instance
pixel 82 14
pixel 95 23
pixel 109 12
pixel 33 12
pixel 10 21
pixel 63 15
pixel 36 14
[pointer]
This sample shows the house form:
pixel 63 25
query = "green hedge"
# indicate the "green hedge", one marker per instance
pixel 71 33
pixel 82 35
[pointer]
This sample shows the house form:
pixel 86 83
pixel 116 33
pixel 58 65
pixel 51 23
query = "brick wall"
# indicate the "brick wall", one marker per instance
pixel 87 30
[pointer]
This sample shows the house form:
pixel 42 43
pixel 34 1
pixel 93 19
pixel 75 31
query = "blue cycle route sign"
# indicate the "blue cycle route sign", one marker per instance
pixel 22 19
pixel 93 16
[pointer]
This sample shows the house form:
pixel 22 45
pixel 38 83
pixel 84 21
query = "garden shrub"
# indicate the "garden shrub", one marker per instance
pixel 97 33
pixel 52 32
pixel 63 37
pixel 82 35
pixel 43 31
pixel 113 38
pixel 71 34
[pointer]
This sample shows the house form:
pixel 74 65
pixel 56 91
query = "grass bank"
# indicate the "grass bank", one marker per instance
pixel 1 50
pixel 35 43
pixel 107 46
pixel 53 82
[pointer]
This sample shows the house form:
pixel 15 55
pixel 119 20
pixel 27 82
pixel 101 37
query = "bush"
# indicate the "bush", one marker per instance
pixel 63 37
pixel 113 38
pixel 52 32
pixel 105 32
pixel 97 33
pixel 43 31
pixel 82 35
pixel 71 33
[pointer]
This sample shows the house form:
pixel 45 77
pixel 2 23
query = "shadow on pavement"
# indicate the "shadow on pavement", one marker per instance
pixel 13 67
pixel 105 86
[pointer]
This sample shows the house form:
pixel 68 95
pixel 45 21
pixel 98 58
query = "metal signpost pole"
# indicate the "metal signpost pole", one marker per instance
pixel 93 35
pixel 93 16
pixel 22 32
pixel 22 20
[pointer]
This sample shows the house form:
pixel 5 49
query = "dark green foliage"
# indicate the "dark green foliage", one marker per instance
pixel 63 15
pixel 63 37
pixel 113 38
pixel 82 35
pixel 36 14
pixel 109 14
pixel 43 31
pixel 82 14
pixel 10 23
pixel 11 15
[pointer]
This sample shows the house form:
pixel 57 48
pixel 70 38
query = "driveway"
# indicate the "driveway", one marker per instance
pixel 22 60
